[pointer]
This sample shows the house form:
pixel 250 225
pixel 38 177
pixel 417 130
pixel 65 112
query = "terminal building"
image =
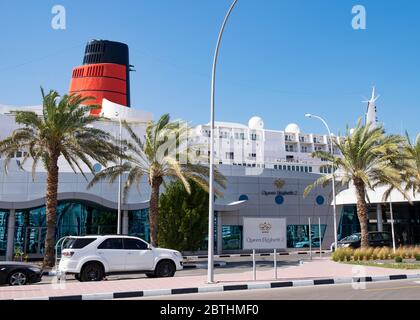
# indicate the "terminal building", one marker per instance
pixel 266 170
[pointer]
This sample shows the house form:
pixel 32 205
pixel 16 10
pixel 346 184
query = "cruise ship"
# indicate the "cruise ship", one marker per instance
pixel 266 170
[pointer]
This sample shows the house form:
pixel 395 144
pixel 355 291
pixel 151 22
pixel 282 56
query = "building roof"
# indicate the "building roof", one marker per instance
pixel 348 196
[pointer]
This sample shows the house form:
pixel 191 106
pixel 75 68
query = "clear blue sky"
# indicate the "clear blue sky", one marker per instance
pixel 279 58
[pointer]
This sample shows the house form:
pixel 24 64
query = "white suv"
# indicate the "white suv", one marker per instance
pixel 91 258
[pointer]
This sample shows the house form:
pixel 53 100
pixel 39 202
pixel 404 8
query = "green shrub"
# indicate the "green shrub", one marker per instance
pixel 383 253
pixel 357 255
pixel 417 256
pixel 401 252
pixel 348 253
pixel 367 254
pixel 392 254
pixel 398 259
pixel 336 255
pixel 342 255
pixel 375 253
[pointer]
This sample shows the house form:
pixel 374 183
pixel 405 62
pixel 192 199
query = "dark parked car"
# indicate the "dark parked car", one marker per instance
pixel 376 239
pixel 19 273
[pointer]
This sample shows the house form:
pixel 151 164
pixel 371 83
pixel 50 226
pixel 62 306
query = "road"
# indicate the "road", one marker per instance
pixel 390 290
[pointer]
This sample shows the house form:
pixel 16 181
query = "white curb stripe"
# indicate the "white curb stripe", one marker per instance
pixel 343 280
pixel 157 292
pixel 380 278
pixel 98 296
pixel 210 289
pixel 303 283
pixel 37 298
pixel 252 286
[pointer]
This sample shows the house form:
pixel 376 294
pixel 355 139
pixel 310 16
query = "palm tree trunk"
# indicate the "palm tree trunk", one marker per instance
pixel 51 212
pixel 154 210
pixel 362 213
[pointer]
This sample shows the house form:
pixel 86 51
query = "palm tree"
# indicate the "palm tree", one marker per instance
pixel 368 158
pixel 62 130
pixel 158 157
pixel 413 172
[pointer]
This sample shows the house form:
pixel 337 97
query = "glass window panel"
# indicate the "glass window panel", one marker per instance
pixel 3 232
pixel 134 244
pixel 298 235
pixel 139 224
pixel 232 237
pixel 111 244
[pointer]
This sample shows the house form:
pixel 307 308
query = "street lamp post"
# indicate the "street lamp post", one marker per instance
pixel 210 271
pixel 333 175
pixel 119 178
pixel 392 224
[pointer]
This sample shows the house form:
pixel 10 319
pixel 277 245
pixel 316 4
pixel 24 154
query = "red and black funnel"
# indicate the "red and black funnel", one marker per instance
pixel 105 73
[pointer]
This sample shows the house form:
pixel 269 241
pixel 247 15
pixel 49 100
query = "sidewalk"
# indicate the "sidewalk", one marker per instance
pixel 310 270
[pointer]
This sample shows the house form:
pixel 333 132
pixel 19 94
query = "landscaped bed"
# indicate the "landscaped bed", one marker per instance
pixel 402 258
pixel 406 265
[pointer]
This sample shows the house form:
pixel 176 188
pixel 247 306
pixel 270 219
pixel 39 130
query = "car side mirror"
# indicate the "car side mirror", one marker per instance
pixel 149 247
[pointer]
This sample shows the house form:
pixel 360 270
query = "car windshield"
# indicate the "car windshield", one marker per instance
pixel 77 243
pixel 353 237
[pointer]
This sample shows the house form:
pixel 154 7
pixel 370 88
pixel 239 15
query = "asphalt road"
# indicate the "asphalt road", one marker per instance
pixel 390 290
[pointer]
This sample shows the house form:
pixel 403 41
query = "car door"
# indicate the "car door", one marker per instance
pixel 138 255
pixel 386 239
pixel 375 239
pixel 112 251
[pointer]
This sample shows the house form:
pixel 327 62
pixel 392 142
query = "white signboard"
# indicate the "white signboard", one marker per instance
pixel 264 233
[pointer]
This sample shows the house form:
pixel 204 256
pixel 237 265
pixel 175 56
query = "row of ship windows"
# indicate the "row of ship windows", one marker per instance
pixel 303 149
pixel 303 139
pixel 237 135
pixel 293 168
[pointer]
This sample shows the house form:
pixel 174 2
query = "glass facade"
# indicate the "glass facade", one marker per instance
pixel 139 224
pixel 406 216
pixel 75 218
pixel 3 232
pixel 349 222
pixel 298 235
pixel 232 237
pixel 80 218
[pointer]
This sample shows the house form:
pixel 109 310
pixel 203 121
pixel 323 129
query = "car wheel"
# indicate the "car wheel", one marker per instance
pixel 92 272
pixel 18 278
pixel 165 269
pixel 77 277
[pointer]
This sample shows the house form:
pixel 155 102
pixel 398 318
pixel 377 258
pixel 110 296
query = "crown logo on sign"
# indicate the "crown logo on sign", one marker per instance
pixel 265 227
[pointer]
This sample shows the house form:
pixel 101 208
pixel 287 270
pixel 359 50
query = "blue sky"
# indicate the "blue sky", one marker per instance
pixel 279 59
